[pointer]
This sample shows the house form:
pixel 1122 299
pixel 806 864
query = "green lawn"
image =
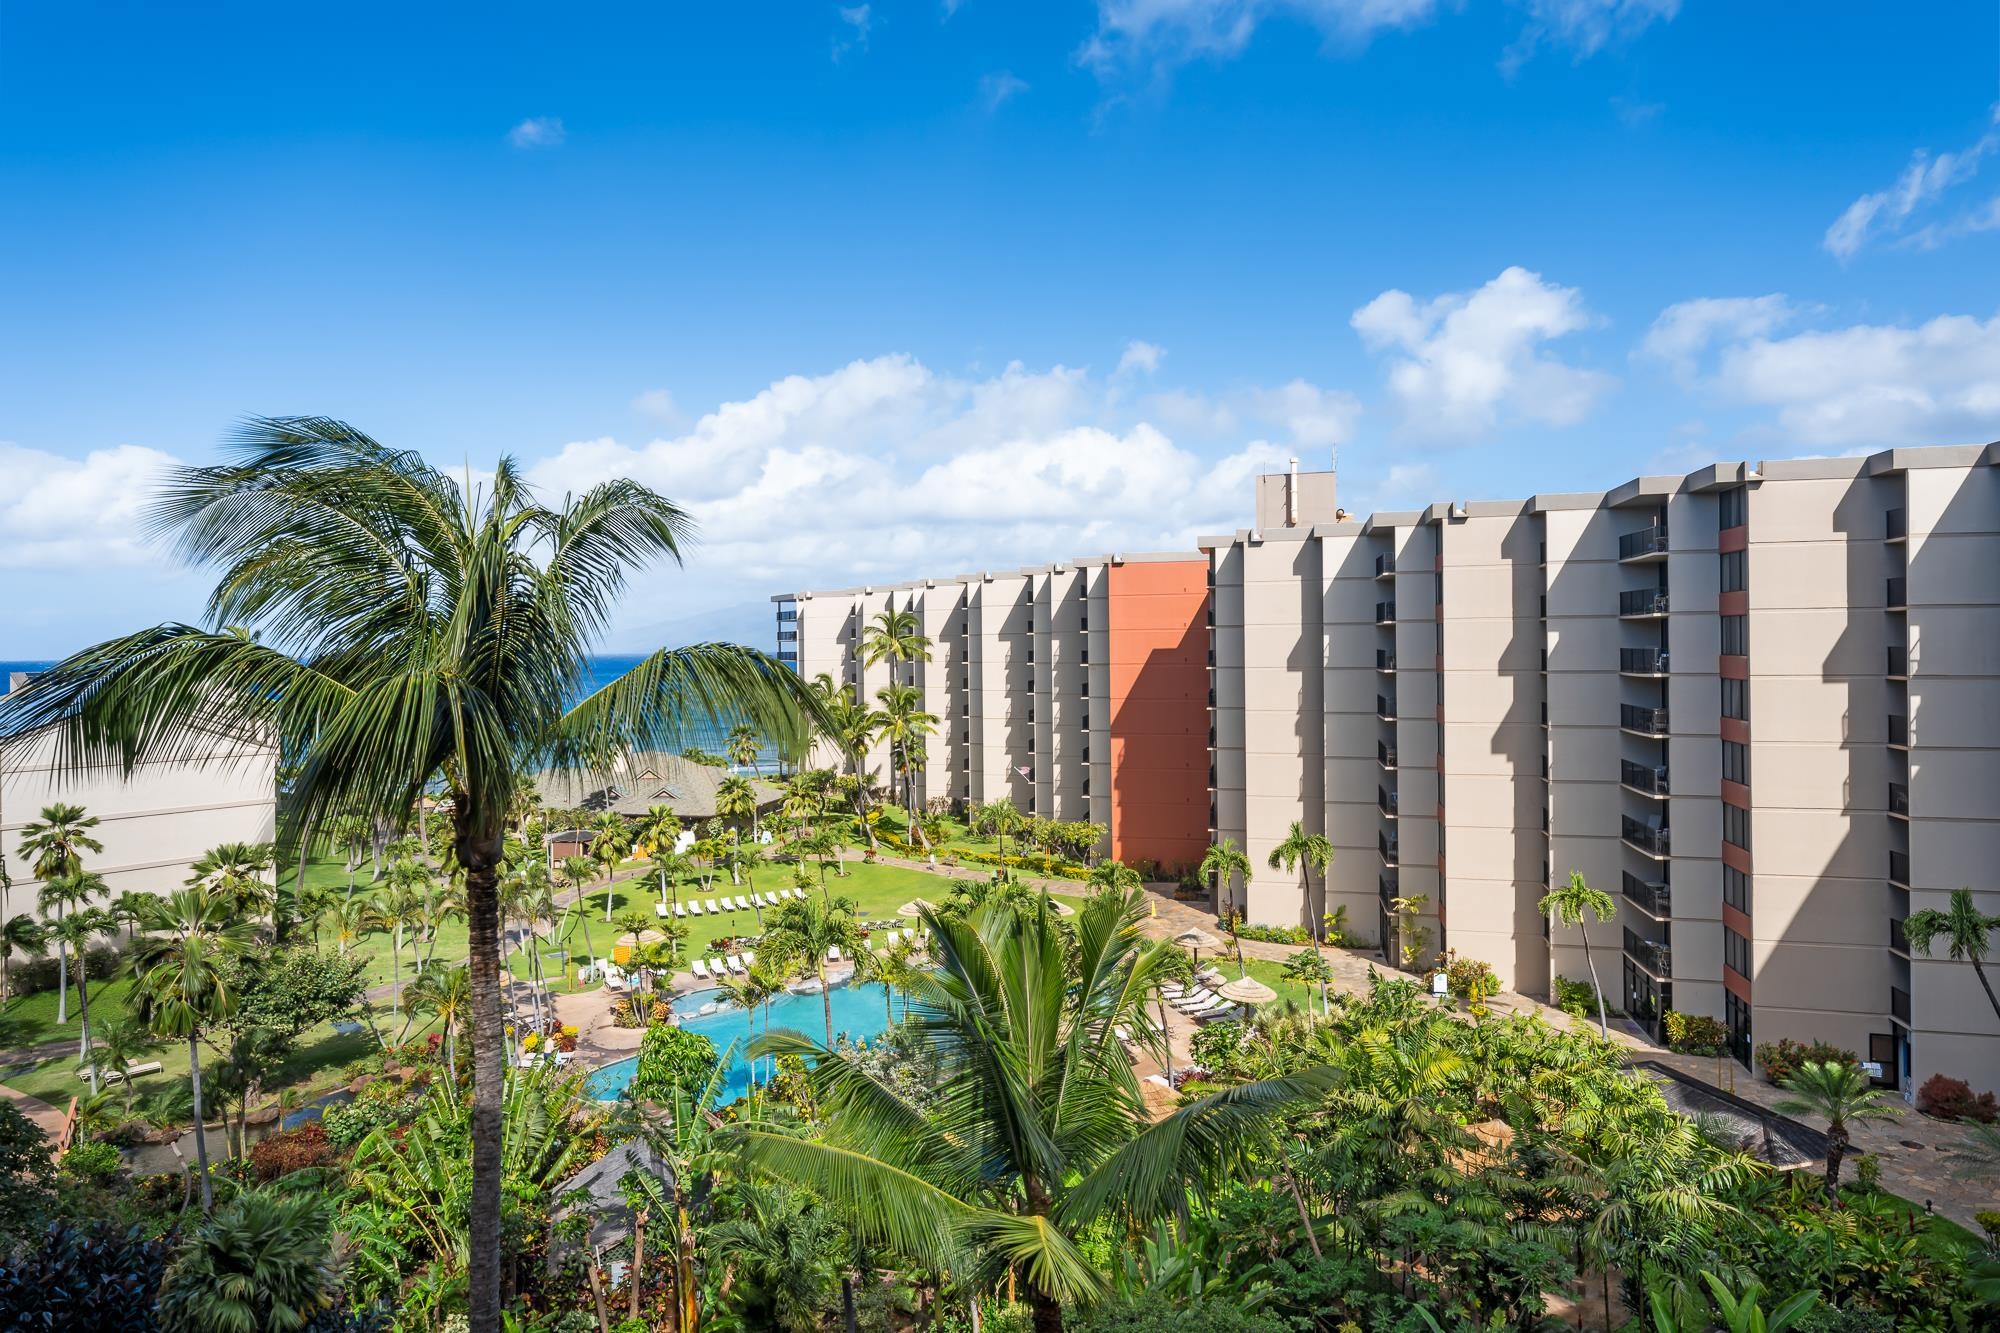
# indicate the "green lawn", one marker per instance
pixel 1943 1235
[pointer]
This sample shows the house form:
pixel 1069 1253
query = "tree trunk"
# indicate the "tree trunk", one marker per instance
pixel 479 853
pixel 83 1008
pixel 1836 1152
pixel 200 1130
pixel 1590 961
pixel 62 974
pixel 847 1315
pixel 825 998
pixel 1047 1311
pixel 1979 970
pixel 638 1259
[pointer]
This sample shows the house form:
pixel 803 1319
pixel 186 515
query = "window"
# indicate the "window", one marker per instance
pixel 1736 699
pixel 1736 889
pixel 1736 762
pixel 1732 509
pixel 1736 826
pixel 1735 636
pixel 1736 953
pixel 1738 1015
pixel 1734 571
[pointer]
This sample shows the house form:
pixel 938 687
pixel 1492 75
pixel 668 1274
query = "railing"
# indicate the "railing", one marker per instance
pixel 1385 708
pixel 1656 959
pixel 1654 840
pixel 1899 868
pixel 1385 754
pixel 1654 899
pixel 1646 541
pixel 1643 602
pixel 1387 846
pixel 1386 799
pixel 1638 717
pixel 788 613
pixel 1899 799
pixel 1648 778
pixel 1385 659
pixel 1897 525
pixel 1899 661
pixel 1643 661
pixel 1899 936
pixel 1899 729
pixel 1385 612
pixel 788 636
pixel 1899 1005
pixel 1385 565
pixel 1899 593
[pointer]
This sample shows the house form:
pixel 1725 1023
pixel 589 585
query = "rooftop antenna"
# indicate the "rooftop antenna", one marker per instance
pixel 1292 495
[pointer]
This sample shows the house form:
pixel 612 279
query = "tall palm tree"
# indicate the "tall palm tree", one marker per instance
pixel 1569 905
pixel 445 993
pixel 850 727
pixel 1306 852
pixel 66 893
pixel 1037 1129
pixel 577 872
pixel 743 746
pixel 53 846
pixel 395 911
pixel 822 845
pixel 895 637
pixel 409 629
pixel 905 725
pixel 655 834
pixel 182 970
pixel 805 930
pixel 1225 861
pixel 1964 929
pixel 19 934
pixel 351 921
pixel 610 840
pixel 237 870
pixel 736 799
pixel 1838 1093
pixel 76 932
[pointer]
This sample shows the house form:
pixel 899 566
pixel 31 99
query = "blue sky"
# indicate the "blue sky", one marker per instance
pixel 923 287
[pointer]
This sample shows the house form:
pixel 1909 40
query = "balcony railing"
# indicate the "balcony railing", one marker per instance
pixel 1899 868
pixel 1385 566
pixel 1643 543
pixel 1899 1005
pixel 1899 661
pixel 1385 613
pixel 1386 799
pixel 1386 887
pixel 1387 846
pixel 1385 754
pixel 1899 799
pixel 1385 659
pixel 1642 661
pixel 1648 778
pixel 1652 839
pixel 1654 899
pixel 1898 594
pixel 1899 729
pixel 788 636
pixel 1385 708
pixel 1639 718
pixel 1899 937
pixel 788 613
pixel 1897 525
pixel 1643 602
pixel 1656 959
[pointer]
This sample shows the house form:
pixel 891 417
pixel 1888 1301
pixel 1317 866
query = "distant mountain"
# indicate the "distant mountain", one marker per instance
pixel 752 623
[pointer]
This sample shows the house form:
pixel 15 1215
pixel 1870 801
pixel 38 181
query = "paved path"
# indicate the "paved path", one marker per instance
pixel 46 1117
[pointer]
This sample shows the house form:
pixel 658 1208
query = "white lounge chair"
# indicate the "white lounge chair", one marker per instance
pixel 736 964
pixel 717 967
pixel 749 959
pixel 694 907
pixel 680 910
pixel 743 903
pixel 700 970
pixel 713 910
pixel 660 911
pixel 833 953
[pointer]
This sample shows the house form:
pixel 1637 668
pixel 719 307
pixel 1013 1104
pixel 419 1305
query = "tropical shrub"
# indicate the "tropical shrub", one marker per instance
pixel 1470 979
pixel 672 1060
pixel 1575 998
pixel 263 1261
pixel 1218 1047
pixel 1868 1172
pixel 94 1161
pixel 1947 1098
pixel 292 1150
pixel 1694 1034
pixel 1274 934
pixel 90 1276
pixel 345 1126
pixel 1154 1313
pixel 1782 1058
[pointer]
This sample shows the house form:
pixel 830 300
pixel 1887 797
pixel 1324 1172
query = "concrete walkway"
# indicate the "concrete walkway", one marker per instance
pixel 47 1118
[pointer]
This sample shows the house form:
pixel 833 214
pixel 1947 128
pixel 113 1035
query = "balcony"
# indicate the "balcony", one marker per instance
pixel 1385 613
pixel 788 636
pixel 1899 1005
pixel 1385 754
pixel 1387 886
pixel 1899 731
pixel 1896 526
pixel 1385 800
pixel 1656 960
pixel 1385 566
pixel 1642 661
pixel 1385 708
pixel 1387 846
pixel 1899 869
pixel 788 613
pixel 1654 840
pixel 1898 594
pixel 1648 897
pixel 1899 800
pixel 1899 938
pixel 1643 720
pixel 1385 659
pixel 1646 779
pixel 1642 604
pixel 1899 663
pixel 1644 546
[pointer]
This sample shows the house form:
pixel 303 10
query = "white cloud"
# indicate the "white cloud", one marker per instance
pixel 1584 27
pixel 1315 417
pixel 1923 182
pixel 657 405
pixel 996 88
pixel 538 132
pixel 859 20
pixel 1472 361
pixel 1683 332
pixel 76 513
pixel 1141 356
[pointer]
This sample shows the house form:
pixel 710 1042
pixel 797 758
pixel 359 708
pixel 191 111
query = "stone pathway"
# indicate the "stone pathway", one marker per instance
pixel 47 1118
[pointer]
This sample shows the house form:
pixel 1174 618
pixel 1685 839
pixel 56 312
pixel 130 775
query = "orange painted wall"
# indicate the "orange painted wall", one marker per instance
pixel 1157 644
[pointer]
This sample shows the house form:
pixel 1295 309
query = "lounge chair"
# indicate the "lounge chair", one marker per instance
pixel 736 964
pixel 660 911
pixel 833 953
pixel 700 970
pixel 717 967
pixel 680 910
pixel 694 907
pixel 713 910
pixel 749 959
pixel 798 895
pixel 742 903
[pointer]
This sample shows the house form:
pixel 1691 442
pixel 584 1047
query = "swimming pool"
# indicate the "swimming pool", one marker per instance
pixel 857 1011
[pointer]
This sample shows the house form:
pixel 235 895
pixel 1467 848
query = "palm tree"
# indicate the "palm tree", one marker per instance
pixel 1308 852
pixel 1569 904
pixel 445 993
pixel 892 968
pixel 743 747
pixel 1838 1093
pixel 851 727
pixel 1114 875
pixel 657 832
pixel 736 799
pixel 1964 929
pixel 1223 862
pixel 396 910
pixel 1002 818
pixel 183 968
pixel 1037 1129
pixel 265 1261
pixel 821 845
pixel 236 870
pixel 24 935
pixel 578 871
pixel 409 630
pixel 895 637
pixel 314 904
pixel 66 893
pixel 611 839
pixel 75 932
pixel 352 920
pixel 122 1045
pixel 905 724
pixel 806 930
pixel 53 846
pixel 1309 967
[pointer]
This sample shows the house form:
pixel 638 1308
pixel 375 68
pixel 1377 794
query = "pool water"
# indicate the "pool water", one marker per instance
pixel 857 1011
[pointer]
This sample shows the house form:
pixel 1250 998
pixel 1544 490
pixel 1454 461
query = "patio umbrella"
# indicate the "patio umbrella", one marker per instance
pixel 1246 990
pixel 643 937
pixel 915 907
pixel 1197 939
